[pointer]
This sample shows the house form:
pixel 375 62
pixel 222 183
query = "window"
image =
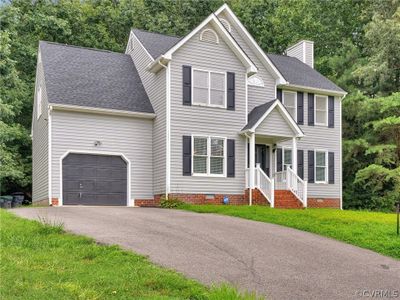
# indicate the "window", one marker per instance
pixel 208 155
pixel 255 81
pixel 39 102
pixel 321 110
pixel 287 158
pixel 290 102
pixel 209 88
pixel 320 166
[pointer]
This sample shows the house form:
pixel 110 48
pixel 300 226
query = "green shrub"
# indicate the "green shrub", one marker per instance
pixel 170 202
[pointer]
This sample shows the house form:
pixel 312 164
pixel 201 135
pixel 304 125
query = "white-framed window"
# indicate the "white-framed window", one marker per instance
pixel 286 159
pixel 289 99
pixel 321 166
pixel 208 155
pixel 209 88
pixel 39 102
pixel 255 80
pixel 321 110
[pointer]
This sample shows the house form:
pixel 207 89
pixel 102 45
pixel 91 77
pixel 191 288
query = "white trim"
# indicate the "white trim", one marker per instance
pixel 209 89
pixel 326 166
pixel 295 101
pixel 49 152
pixel 315 110
pixel 208 156
pixel 168 131
pixel 261 54
pixel 222 20
pixel 129 201
pixel 246 100
pixel 286 115
pixel 211 30
pixel 283 157
pixel 256 77
pixel 39 101
pixel 140 43
pixel 251 68
pixel 304 52
pixel 311 89
pixel 106 111
pixel 340 155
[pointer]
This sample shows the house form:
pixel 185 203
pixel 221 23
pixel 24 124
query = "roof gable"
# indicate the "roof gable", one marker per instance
pixel 92 78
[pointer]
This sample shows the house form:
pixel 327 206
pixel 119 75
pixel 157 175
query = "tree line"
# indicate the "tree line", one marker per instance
pixel 357 46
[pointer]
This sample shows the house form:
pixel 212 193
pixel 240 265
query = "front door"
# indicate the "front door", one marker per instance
pixel 263 158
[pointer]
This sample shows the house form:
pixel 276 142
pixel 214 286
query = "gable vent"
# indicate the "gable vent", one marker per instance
pixel 209 35
pixel 226 24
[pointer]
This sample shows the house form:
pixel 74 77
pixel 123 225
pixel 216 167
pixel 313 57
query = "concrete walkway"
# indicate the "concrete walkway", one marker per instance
pixel 275 261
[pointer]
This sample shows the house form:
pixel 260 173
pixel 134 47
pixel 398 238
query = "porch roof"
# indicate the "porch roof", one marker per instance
pixel 260 113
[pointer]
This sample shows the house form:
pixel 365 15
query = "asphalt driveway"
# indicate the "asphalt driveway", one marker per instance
pixel 275 261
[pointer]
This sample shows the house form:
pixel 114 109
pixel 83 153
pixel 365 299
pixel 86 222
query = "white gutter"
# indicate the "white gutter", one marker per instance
pixel 311 89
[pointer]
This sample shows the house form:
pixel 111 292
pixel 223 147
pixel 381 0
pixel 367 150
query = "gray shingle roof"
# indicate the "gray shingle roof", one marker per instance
pixel 298 73
pixel 92 78
pixel 156 43
pixel 257 113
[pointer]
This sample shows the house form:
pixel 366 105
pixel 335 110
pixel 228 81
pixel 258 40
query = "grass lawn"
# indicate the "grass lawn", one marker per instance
pixel 370 230
pixel 39 261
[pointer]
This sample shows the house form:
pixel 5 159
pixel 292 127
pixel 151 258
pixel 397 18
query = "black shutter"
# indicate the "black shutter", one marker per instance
pixel 187 85
pixel 311 109
pixel 187 155
pixel 231 158
pixel 300 163
pixel 279 159
pixel 279 94
pixel 331 167
pixel 331 112
pixel 300 108
pixel 310 166
pixel 230 78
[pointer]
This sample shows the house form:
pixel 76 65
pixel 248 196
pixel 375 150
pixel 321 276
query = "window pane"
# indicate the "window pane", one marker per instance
pixel 320 117
pixel 320 159
pixel 289 99
pixel 217 97
pixel 217 147
pixel 200 79
pixel 199 164
pixel 292 111
pixel 200 146
pixel 216 165
pixel 200 95
pixel 288 157
pixel 320 103
pixel 320 173
pixel 217 81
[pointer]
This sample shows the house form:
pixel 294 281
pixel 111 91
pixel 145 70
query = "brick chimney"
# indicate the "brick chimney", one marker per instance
pixel 303 51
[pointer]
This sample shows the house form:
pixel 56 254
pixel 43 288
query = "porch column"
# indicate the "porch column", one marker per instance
pixel 252 165
pixel 294 155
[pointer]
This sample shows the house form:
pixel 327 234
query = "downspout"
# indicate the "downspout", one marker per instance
pixel 168 128
pixel 249 181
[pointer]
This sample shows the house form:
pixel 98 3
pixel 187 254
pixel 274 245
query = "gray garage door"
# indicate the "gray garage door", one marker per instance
pixel 94 180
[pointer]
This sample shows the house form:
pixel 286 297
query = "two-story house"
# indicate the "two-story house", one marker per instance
pixel 206 118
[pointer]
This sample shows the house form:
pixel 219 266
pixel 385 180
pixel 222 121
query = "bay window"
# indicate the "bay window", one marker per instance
pixel 208 155
pixel 209 88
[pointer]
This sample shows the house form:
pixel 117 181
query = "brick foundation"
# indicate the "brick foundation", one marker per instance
pixel 256 196
pixel 323 202
pixel 54 202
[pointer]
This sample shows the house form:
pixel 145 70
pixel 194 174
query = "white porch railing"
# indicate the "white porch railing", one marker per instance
pixel 264 184
pixel 296 185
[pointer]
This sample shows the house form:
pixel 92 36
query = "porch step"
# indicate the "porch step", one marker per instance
pixel 286 199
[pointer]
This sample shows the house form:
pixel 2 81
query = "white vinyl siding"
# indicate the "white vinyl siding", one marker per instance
pixel 40 142
pixel 321 166
pixel 208 156
pixel 76 131
pixel 321 110
pixel 290 102
pixel 274 124
pixel 39 102
pixel 209 88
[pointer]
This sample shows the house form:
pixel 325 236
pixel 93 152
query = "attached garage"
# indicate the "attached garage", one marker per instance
pixel 92 179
